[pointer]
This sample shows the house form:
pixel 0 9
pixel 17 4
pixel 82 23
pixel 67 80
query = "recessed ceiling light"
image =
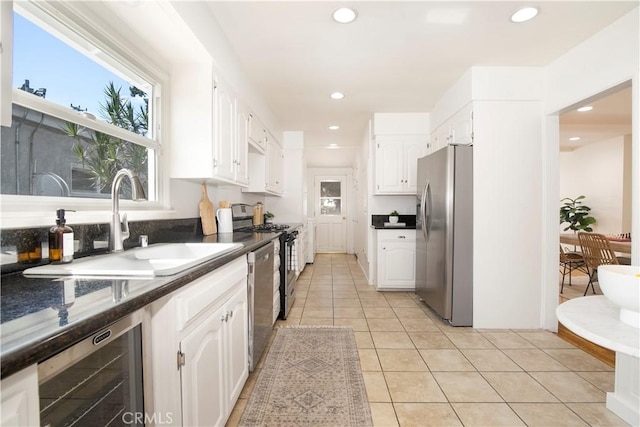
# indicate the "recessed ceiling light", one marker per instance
pixel 334 127
pixel 585 108
pixel 337 95
pixel 574 138
pixel 332 146
pixel 524 14
pixel 344 15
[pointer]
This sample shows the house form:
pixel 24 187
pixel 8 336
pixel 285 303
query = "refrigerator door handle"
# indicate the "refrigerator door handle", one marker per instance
pixel 428 211
pixel 425 210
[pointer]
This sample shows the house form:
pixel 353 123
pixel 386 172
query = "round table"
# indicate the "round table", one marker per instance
pixel 596 319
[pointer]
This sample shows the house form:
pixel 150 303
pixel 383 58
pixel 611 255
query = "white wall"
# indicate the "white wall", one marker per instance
pixel 507 214
pixel 597 172
pixel 361 215
pixel 607 59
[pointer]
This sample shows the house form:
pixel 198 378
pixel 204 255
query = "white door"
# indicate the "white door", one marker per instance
pixel 331 214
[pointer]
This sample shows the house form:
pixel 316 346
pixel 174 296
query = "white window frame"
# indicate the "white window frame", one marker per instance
pixel 80 31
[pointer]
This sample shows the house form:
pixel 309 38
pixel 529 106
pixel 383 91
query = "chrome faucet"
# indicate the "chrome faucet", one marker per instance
pixel 120 230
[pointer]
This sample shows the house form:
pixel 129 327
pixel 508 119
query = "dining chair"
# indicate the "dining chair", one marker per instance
pixel 596 251
pixel 570 261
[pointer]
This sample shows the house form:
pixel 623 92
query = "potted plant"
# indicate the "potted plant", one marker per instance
pixel 576 214
pixel 393 217
pixel 268 216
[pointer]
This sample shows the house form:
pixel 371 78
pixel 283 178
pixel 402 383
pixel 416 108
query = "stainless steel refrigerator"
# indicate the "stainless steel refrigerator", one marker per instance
pixel 444 238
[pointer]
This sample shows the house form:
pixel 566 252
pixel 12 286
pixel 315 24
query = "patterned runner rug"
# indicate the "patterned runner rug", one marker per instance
pixel 311 377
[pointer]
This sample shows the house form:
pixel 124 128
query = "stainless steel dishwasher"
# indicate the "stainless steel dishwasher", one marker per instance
pixel 260 295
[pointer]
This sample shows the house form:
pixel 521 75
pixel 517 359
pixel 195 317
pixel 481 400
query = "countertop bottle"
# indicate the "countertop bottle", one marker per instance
pixel 60 240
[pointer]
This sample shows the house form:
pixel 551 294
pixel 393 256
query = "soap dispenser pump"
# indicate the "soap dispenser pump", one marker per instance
pixel 60 240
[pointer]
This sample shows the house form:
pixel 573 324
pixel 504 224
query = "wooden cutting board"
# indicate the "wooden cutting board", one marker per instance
pixel 207 214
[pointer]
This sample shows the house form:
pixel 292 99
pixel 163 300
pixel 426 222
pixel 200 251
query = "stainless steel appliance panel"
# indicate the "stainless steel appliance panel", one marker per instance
pixel 97 382
pixel 260 296
pixel 444 242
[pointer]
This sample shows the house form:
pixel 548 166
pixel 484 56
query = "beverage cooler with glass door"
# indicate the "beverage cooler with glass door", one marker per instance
pixel 96 382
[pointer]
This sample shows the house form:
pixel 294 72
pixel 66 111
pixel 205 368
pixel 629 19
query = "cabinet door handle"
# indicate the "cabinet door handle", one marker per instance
pixel 223 318
pixel 402 237
pixel 231 313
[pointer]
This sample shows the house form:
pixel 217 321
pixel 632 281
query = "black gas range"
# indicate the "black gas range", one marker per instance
pixel 243 222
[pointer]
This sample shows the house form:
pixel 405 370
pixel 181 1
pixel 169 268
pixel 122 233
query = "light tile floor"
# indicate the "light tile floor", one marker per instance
pixel 419 371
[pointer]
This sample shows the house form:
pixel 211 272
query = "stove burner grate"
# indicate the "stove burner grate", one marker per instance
pixel 265 228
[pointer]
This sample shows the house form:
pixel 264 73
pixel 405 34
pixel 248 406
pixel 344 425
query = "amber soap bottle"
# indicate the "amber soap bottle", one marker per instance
pixel 60 240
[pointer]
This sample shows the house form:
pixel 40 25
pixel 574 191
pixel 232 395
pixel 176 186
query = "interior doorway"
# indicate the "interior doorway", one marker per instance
pixel 595 162
pixel 331 213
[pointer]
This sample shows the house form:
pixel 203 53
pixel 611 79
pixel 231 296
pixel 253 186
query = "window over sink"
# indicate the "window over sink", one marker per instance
pixel 82 107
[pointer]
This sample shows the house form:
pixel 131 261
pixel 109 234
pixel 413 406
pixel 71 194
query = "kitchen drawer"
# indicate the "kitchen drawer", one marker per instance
pixel 408 235
pixel 206 290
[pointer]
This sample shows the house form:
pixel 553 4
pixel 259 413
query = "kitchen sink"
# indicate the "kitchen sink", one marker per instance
pixel 161 259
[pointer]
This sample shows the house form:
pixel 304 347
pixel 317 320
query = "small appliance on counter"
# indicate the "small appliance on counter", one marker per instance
pixel 225 220
pixel 258 214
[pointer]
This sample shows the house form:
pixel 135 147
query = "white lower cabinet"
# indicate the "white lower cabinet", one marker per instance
pixel 214 370
pixel 19 398
pixel 396 260
pixel 206 325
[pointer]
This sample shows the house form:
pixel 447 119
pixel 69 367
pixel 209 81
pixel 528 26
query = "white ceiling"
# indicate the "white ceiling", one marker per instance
pixel 396 57
pixel 610 118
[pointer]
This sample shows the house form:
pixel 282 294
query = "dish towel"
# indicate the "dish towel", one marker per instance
pixel 293 258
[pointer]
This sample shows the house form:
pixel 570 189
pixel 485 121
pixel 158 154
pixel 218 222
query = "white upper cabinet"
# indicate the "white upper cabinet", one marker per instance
pixel 457 130
pixel 224 140
pixel 275 160
pixel 461 126
pixel 266 175
pixel 207 144
pixel 242 147
pixel 257 134
pixel 396 163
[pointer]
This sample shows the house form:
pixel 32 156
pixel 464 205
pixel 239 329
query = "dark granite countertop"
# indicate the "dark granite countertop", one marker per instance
pixel 405 227
pixel 377 222
pixel 43 316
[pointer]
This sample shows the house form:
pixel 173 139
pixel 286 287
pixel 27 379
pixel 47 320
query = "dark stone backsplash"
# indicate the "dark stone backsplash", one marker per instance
pixel 25 242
